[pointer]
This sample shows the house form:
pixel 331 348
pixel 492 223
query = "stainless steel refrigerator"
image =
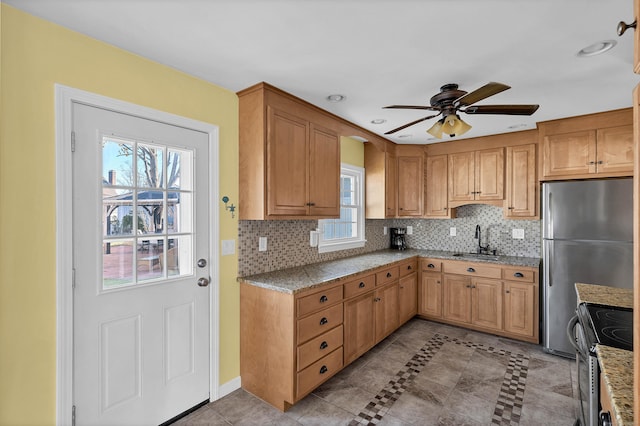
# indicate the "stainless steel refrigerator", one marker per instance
pixel 587 237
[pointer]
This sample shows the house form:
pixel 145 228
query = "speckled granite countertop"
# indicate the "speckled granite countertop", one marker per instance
pixel 603 295
pixel 294 280
pixel 617 371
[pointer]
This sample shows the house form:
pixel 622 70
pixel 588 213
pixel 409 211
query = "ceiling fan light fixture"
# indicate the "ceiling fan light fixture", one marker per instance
pixel 436 129
pixel 452 125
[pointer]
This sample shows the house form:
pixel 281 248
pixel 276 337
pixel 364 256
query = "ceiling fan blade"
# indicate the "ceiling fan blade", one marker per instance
pixel 477 95
pixel 502 109
pixel 412 107
pixel 410 124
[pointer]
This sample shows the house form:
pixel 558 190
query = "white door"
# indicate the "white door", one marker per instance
pixel 141 261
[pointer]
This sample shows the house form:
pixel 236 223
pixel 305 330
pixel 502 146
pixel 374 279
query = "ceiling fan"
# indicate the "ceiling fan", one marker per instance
pixel 451 100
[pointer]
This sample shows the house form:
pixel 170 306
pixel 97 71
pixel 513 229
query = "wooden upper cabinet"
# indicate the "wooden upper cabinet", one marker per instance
pixel 289 157
pixel 522 194
pixel 391 177
pixel 476 176
pixel 436 190
pixel 410 171
pixel 589 146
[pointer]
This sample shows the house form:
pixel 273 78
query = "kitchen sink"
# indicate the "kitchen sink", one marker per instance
pixel 476 256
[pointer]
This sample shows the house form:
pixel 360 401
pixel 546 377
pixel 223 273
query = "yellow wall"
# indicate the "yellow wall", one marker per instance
pixel 35 55
pixel 351 151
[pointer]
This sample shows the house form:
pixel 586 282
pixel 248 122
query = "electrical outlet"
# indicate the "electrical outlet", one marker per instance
pixel 409 230
pixel 262 244
pixel 452 231
pixel 384 230
pixel 517 234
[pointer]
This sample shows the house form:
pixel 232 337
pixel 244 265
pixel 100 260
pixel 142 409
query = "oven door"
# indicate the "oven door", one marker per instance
pixel 587 366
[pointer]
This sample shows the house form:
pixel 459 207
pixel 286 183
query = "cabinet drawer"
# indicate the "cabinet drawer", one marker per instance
pixel 316 348
pixel 408 267
pixel 318 300
pixel 359 286
pixel 473 269
pixel 431 265
pixel 387 275
pixel 309 378
pixel 319 322
pixel 518 274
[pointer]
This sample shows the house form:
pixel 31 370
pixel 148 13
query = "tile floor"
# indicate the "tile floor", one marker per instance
pixel 425 374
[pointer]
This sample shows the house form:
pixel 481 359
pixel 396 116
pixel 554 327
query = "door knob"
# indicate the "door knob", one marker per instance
pixel 623 26
pixel 203 282
pixel 202 263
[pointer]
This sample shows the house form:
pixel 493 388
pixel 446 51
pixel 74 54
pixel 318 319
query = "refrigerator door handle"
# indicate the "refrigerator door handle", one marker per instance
pixel 549 213
pixel 548 256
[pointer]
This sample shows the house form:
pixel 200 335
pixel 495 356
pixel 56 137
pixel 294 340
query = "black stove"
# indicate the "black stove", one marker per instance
pixel 612 326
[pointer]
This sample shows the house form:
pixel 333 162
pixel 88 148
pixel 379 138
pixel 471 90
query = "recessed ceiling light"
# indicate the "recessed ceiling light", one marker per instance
pixel 336 98
pixel 597 48
pixel 378 121
pixel 404 136
pixel 517 126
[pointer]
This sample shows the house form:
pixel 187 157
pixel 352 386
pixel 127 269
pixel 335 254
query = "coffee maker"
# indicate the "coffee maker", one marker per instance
pixel 398 241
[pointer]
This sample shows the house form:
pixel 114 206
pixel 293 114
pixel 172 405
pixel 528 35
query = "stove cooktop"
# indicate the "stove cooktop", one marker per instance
pixel 613 326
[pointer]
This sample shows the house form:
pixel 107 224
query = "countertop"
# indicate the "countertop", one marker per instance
pixel 617 373
pixel 616 364
pixel 294 280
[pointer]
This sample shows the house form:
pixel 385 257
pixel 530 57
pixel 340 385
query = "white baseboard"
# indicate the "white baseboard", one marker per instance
pixel 230 386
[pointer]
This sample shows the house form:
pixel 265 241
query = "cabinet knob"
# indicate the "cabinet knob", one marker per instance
pixel 324 345
pixel 323 369
pixel 388 274
pixel 323 299
pixel 311 204
pixel 600 162
pixel 438 282
pixel 623 26
pixel 361 285
pixel 324 321
pixel 507 291
pixel 409 268
pixel 518 275
pixel 470 270
pixel 510 208
pixel 468 286
pixel 473 286
pixel 591 162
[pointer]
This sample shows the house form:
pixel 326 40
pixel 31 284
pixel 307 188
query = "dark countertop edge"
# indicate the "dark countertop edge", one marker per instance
pixel 391 256
pixel 619 384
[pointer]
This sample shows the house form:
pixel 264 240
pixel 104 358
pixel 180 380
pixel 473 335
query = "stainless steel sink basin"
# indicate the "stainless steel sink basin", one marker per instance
pixel 475 256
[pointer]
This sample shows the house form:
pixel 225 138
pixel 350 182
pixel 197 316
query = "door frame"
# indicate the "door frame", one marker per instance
pixel 64 98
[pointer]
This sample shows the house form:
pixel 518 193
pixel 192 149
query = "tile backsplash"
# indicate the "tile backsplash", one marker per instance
pixel 288 240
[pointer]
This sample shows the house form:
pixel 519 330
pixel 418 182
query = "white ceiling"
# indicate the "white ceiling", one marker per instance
pixel 380 52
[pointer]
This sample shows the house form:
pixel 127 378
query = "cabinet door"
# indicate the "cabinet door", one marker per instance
pixel 386 310
pixel 462 176
pixel 486 299
pixel 436 187
pixel 410 186
pixel 287 159
pixel 519 307
pixel 489 168
pixel 457 298
pixel 324 173
pixel 615 150
pixel 569 154
pixel 521 181
pixel 431 295
pixel 359 323
pixel 408 297
pixel 391 185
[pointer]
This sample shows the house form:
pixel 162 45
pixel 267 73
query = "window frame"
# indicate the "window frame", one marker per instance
pixel 326 246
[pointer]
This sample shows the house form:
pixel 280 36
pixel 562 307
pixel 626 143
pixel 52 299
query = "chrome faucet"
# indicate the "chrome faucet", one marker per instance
pixel 478 236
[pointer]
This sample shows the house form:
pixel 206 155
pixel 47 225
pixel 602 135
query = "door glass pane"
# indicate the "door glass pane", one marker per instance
pixel 139 212
pixel 149 159
pixel 117 263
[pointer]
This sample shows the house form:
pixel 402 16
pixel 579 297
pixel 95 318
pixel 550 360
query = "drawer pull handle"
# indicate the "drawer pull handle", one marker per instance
pixel 324 299
pixel 518 275
pixel 323 369
pixel 324 321
pixel 431 265
pixel 388 274
pixel 324 345
pixel 409 268
pixel 470 270
pixel 361 285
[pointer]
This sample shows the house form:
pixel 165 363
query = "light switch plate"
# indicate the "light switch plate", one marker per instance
pixel 409 230
pixel 517 234
pixel 452 231
pixel 228 247
pixel 262 244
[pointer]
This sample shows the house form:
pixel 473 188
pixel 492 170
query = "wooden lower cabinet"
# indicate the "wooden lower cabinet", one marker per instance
pixel 386 310
pixel 359 326
pixel 520 309
pixel 431 295
pixel 486 303
pixel 407 297
pixel 457 298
